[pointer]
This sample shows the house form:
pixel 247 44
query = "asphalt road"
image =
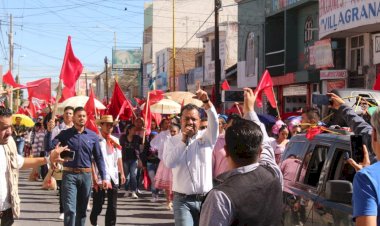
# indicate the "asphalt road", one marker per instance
pixel 40 207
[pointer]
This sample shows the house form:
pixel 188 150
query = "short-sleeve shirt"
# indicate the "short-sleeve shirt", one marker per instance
pixel 5 202
pixel 366 195
pixel 130 150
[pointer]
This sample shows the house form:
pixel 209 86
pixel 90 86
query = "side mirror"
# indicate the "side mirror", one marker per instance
pixel 339 191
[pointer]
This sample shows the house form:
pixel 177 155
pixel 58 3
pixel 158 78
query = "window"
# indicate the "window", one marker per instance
pixel 213 50
pixel 308 29
pixel 313 164
pixel 163 62
pixel 158 64
pixel 340 169
pixel 339 53
pixel 357 52
pixel 199 61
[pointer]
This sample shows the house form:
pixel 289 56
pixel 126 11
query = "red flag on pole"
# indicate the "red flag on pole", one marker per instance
pixel 71 67
pixel 40 89
pixel 32 110
pixel 266 86
pixel 8 79
pixel 117 101
pixel 376 86
pixel 154 97
pixel 139 101
pixel 91 112
pixel 225 85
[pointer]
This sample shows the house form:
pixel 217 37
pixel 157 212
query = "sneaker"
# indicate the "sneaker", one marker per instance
pixel 89 206
pixel 154 198
pixel 134 196
pixel 61 216
pixel 169 206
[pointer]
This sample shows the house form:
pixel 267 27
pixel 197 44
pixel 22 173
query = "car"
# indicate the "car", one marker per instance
pixel 317 180
pixel 350 96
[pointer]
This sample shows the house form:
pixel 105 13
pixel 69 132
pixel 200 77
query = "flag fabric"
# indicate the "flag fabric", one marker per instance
pixel 155 96
pixel 266 86
pixel 40 89
pixel 117 101
pixel 71 67
pixel 125 103
pixel 32 112
pixel 8 79
pixel 225 85
pixel 91 112
pixel 313 131
pixel 139 101
pixel 376 86
pixel 67 92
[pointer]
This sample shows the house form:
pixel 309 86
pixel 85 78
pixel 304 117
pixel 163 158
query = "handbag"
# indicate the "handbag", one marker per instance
pixel 49 182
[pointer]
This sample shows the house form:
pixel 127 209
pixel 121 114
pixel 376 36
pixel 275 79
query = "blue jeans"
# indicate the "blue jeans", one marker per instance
pixel 20 143
pixel 186 211
pixel 152 169
pixel 130 168
pixel 76 188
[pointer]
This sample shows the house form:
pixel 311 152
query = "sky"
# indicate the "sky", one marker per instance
pixel 41 28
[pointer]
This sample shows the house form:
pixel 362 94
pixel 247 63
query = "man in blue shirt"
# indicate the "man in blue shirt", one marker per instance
pixel 76 179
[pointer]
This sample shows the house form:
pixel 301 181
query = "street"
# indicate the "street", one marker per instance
pixel 40 207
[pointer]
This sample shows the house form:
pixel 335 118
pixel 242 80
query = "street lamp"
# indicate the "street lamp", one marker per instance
pixel 114 40
pixel 106 64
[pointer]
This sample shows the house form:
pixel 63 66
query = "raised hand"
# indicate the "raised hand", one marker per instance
pixel 336 101
pixel 360 165
pixel 249 100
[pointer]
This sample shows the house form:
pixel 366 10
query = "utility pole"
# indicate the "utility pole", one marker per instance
pixel 217 5
pixel 106 64
pixel 174 50
pixel 11 57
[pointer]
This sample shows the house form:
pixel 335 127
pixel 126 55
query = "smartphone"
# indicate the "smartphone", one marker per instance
pixel 357 148
pixel 320 99
pixel 67 155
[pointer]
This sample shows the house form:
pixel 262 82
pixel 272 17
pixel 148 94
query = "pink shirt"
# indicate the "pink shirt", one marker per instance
pixel 289 168
pixel 219 160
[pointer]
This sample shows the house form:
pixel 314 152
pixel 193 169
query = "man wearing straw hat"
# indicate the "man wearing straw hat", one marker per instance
pixel 111 151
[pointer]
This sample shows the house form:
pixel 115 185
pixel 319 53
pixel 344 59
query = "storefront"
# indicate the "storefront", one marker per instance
pixel 333 79
pixel 294 97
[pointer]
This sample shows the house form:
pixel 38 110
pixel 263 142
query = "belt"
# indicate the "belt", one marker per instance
pixel 77 170
pixel 200 197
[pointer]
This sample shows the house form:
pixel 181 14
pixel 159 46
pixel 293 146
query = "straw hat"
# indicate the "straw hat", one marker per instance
pixel 106 119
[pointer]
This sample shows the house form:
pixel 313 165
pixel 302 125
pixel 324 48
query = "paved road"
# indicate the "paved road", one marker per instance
pixel 40 207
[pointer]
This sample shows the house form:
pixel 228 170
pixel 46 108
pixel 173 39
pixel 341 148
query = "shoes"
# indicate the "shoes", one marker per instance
pixel 61 216
pixel 138 191
pixel 89 207
pixel 169 206
pixel 154 198
pixel 134 196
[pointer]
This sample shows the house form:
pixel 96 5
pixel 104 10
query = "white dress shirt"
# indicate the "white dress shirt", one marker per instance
pixel 56 130
pixel 159 141
pixel 192 164
pixel 110 160
pixel 4 182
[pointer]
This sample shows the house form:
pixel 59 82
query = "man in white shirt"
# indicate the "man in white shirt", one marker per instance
pixel 111 151
pixel 189 154
pixel 10 163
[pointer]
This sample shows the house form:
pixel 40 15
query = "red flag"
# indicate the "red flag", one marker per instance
pixel 67 92
pixel 91 112
pixel 376 86
pixel 32 110
pixel 40 89
pixel 155 96
pixel 313 131
pixel 71 67
pixel 8 79
pixel 122 108
pixel 147 115
pixel 117 101
pixel 139 101
pixel 225 85
pixel 266 86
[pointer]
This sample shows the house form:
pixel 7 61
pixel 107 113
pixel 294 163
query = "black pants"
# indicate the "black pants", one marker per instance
pixel 98 201
pixel 7 218
pixel 59 186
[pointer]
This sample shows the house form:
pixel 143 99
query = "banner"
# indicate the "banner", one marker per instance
pixel 338 15
pixel 126 59
pixel 321 54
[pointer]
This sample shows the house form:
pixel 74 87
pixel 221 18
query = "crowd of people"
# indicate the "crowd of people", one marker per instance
pixel 210 167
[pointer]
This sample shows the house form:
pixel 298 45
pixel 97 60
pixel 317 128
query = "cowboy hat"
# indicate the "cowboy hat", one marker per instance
pixel 106 119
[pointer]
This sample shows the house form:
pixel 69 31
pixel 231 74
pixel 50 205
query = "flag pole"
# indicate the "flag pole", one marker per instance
pixel 59 94
pixel 278 111
pixel 146 115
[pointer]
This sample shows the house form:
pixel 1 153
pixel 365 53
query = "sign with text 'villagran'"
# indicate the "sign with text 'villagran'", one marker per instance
pixel 342 15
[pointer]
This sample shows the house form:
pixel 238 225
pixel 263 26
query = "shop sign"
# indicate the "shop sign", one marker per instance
pixel 278 5
pixel 376 48
pixel 300 90
pixel 336 84
pixel 333 74
pixel 321 54
pixel 339 15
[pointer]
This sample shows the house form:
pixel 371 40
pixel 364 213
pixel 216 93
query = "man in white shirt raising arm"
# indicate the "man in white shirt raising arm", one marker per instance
pixel 189 154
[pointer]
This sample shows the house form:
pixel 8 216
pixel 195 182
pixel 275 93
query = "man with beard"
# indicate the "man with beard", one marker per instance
pixel 76 178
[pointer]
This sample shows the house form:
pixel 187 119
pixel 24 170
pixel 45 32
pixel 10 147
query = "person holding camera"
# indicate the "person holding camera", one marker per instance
pixel 76 179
